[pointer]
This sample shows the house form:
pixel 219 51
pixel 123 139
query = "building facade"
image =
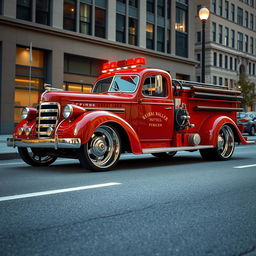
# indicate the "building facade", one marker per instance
pixel 230 41
pixel 65 43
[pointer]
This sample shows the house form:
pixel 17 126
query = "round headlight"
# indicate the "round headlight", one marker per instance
pixel 24 113
pixel 67 111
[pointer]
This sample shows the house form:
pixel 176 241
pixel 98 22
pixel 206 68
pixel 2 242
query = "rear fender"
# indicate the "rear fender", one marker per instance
pixel 211 127
pixel 86 124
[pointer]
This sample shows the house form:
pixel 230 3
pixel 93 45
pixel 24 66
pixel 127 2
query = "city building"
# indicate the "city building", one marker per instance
pixel 65 43
pixel 230 41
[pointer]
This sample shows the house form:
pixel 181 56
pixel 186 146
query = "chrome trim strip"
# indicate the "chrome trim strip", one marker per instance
pixel 49 110
pixel 118 110
pixel 161 150
pixel 47 118
pixel 70 143
pixel 218 108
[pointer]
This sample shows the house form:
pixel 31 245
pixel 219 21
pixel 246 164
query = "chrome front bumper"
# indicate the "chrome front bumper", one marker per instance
pixel 45 143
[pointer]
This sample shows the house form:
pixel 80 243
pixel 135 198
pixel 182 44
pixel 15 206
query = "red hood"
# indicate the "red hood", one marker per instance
pixel 64 97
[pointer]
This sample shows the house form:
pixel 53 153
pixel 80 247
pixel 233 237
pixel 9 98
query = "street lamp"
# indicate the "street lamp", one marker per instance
pixel 203 15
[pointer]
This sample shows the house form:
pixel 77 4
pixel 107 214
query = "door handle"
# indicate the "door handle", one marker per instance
pixel 168 108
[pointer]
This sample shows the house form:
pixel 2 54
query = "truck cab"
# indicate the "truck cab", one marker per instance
pixel 130 109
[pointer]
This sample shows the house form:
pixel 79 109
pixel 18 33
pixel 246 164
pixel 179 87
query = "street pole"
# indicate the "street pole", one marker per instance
pixel 203 53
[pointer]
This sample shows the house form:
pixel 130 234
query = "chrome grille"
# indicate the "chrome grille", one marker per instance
pixel 48 116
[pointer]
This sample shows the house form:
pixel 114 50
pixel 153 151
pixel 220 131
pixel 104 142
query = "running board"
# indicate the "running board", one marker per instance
pixel 161 150
pixel 251 142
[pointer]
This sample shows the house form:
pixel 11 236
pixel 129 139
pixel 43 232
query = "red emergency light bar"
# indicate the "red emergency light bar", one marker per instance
pixel 123 64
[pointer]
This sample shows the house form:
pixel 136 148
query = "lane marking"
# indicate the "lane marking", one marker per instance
pixel 245 166
pixel 57 191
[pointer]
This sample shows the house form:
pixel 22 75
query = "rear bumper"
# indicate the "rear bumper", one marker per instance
pixel 69 143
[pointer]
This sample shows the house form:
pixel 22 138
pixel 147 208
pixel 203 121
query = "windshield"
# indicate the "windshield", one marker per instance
pixel 120 83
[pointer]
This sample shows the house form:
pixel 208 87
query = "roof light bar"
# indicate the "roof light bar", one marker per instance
pixel 123 64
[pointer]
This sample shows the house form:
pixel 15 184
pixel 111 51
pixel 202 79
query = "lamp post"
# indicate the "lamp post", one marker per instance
pixel 203 16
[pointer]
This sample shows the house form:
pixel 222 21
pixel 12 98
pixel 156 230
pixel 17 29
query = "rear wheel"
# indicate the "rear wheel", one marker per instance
pixel 165 155
pixel 102 151
pixel 36 157
pixel 225 146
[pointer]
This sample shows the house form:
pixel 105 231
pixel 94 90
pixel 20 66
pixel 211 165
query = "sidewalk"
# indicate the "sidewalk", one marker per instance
pixel 7 153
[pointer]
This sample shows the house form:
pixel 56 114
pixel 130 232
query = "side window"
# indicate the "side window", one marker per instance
pixel 155 86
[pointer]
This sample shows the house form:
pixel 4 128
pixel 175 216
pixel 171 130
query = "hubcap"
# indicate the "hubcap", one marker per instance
pixel 104 147
pixel 226 142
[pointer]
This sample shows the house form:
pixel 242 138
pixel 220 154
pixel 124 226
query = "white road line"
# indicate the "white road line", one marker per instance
pixel 245 166
pixel 58 191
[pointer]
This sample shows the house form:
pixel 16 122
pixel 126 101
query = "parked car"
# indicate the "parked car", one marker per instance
pixel 248 120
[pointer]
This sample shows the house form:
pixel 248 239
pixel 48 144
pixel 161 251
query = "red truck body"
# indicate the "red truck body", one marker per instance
pixel 134 109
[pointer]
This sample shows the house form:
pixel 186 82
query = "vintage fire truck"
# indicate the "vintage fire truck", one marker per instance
pixel 130 109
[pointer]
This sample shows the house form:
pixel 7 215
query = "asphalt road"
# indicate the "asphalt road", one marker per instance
pixel 146 206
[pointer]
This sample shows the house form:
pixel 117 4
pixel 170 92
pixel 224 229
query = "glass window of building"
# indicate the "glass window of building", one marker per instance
pixel 43 12
pixel 69 15
pixel 233 38
pixel 226 36
pixel 246 43
pixel 161 8
pixel 253 69
pixel 214 79
pixel 181 29
pixel 226 9
pixel 151 6
pixel 220 60
pixel 233 12
pixel 28 81
pixel 120 28
pixel 85 19
pixel 220 7
pixel 215 59
pixel 198 58
pixel 226 62
pixel 235 64
pixel 246 19
pixel 198 36
pixel 214 32
pixel 160 39
pixel 240 16
pixel 240 41
pixel 251 45
pixel 220 33
pixel 168 41
pixel 231 63
pixel 150 36
pixel 133 3
pixel 213 6
pixel 24 10
pixel 226 82
pixel 133 31
pixel 251 21
pixel 220 80
pixel 100 22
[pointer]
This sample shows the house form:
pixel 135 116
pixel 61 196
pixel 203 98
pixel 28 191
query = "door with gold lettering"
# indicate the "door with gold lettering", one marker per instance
pixel 156 109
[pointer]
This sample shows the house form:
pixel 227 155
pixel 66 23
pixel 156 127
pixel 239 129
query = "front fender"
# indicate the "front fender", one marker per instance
pixel 211 127
pixel 84 126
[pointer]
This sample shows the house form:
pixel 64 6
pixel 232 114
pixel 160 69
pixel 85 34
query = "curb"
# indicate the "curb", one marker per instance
pixel 9 156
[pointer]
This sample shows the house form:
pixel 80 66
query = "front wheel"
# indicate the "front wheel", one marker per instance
pixel 36 157
pixel 102 151
pixel 225 146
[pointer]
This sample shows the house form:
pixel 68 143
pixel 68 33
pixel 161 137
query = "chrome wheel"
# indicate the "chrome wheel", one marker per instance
pixel 103 150
pixel 225 146
pixel 226 142
pixel 36 157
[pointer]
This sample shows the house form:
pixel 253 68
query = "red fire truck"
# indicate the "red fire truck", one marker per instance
pixel 131 109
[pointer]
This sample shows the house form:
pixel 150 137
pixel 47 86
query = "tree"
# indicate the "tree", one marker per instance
pixel 248 92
